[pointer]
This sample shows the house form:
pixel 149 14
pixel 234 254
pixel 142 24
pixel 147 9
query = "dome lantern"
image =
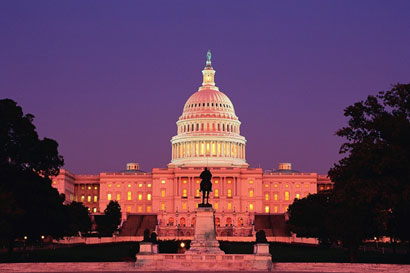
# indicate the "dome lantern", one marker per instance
pixel 208 131
pixel 208 74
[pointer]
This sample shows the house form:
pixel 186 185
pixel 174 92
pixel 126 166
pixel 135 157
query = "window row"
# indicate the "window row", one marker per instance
pixel 208 104
pixel 140 196
pixel 118 185
pixel 88 198
pixel 215 127
pixel 276 185
pixel 138 209
pixel 208 148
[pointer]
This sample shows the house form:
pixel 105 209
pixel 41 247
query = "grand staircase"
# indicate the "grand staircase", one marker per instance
pixel 274 225
pixel 137 223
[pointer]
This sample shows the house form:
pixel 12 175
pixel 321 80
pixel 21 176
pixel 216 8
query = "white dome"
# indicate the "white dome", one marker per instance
pixel 208 129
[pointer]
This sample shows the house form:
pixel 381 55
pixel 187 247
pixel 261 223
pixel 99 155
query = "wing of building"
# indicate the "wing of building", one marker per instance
pixel 208 135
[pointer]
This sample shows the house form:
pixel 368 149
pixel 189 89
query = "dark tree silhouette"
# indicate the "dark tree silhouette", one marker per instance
pixel 372 183
pixel 78 219
pixel 309 217
pixel 29 205
pixel 109 223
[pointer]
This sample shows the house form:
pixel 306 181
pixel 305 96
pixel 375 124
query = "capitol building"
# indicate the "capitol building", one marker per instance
pixel 245 199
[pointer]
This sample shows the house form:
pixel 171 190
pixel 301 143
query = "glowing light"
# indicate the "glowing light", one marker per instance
pixel 182 245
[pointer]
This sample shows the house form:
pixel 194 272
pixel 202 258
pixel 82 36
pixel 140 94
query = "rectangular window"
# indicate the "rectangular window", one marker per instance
pixel 118 196
pixel 250 207
pixel 229 205
pixel 229 193
pixel 297 196
pixel 148 196
pixel 275 197
pixel 216 193
pixel 149 185
pixel 95 198
pixel 129 196
pixel 94 209
pixel 89 198
pixel 139 208
pixel 140 196
pixel 183 205
pixel 184 193
pixel 128 208
pixel 148 208
pixel 163 206
pixel 163 193
pixel 267 196
pixel 213 149
pixel 250 193
pixel 109 197
pixel 275 209
pixel 197 193
pixel 216 206
pixel 267 209
pixel 286 196
pixel 202 148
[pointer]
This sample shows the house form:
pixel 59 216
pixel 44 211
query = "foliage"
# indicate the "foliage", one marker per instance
pixel 109 223
pixel 371 197
pixel 308 217
pixel 78 219
pixel 30 206
pixel 372 183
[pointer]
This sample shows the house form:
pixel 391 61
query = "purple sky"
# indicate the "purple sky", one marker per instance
pixel 108 79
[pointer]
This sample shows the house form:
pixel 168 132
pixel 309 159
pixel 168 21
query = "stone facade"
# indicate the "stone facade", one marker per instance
pixel 208 134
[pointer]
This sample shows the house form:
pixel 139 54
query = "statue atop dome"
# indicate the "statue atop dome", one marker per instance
pixel 208 58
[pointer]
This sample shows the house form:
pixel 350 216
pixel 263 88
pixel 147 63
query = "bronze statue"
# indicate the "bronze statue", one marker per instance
pixel 206 185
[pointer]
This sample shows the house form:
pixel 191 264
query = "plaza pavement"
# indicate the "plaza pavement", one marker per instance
pixel 123 267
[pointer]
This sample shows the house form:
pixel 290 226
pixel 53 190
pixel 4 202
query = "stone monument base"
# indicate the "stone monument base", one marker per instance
pixel 205 236
pixel 204 253
pixel 204 262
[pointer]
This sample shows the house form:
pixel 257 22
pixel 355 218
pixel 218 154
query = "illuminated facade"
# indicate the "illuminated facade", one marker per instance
pixel 208 134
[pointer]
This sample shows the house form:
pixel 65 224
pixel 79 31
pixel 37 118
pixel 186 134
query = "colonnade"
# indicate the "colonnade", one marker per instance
pixel 208 148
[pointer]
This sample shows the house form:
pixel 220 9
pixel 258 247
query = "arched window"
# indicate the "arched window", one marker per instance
pixel 182 221
pixel 192 127
pixel 228 221
pixel 240 222
pixel 171 221
pixel 193 222
pixel 217 222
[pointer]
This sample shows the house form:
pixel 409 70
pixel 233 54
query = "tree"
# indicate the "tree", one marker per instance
pixel 78 219
pixel 108 224
pixel 372 183
pixel 309 217
pixel 31 207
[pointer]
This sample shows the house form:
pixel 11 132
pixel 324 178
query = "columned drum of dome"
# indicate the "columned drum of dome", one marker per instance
pixel 208 131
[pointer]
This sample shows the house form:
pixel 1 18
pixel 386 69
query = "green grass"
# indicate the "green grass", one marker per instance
pixel 78 253
pixel 126 252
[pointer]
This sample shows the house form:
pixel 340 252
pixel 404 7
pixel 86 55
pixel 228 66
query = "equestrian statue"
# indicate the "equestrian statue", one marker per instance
pixel 206 185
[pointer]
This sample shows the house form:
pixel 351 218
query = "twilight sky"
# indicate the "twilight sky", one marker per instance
pixel 108 79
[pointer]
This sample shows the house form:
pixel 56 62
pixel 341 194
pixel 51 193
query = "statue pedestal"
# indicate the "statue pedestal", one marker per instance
pixel 205 235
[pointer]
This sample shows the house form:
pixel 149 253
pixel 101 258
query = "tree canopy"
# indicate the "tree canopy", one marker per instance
pixel 111 219
pixel 371 197
pixel 30 205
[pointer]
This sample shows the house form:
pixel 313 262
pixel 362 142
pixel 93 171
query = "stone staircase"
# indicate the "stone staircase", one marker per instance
pixel 137 223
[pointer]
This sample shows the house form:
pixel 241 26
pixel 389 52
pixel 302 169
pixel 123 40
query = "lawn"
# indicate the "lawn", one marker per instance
pixel 126 252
